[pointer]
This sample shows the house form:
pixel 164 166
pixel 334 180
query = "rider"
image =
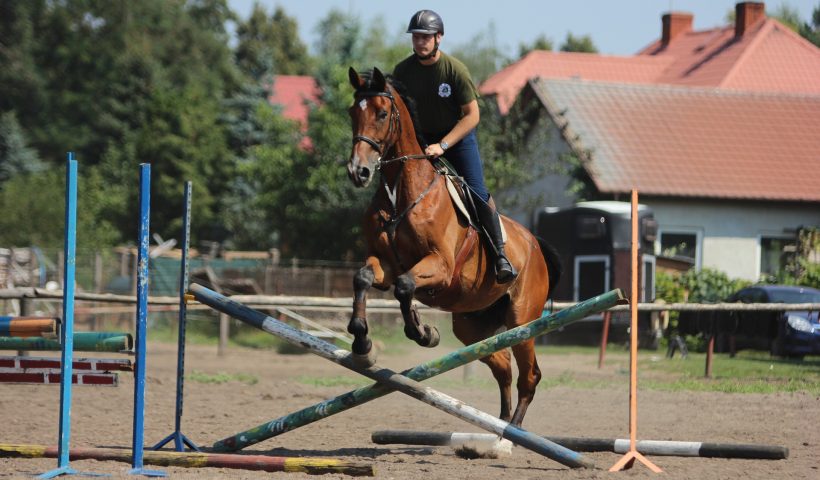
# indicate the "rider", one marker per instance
pixel 447 108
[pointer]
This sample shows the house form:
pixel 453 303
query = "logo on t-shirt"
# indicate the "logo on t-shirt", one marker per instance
pixel 444 90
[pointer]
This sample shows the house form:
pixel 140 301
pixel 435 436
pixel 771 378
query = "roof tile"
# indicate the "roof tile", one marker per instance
pixel 693 142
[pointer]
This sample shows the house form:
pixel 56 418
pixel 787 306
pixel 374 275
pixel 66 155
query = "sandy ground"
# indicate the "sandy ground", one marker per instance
pixel 103 417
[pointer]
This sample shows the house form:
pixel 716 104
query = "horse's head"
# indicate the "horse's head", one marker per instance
pixel 375 117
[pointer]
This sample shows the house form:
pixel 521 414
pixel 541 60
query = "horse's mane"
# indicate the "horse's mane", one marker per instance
pixel 398 86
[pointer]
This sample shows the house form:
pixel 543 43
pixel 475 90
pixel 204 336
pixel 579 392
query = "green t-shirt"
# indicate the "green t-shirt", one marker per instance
pixel 439 90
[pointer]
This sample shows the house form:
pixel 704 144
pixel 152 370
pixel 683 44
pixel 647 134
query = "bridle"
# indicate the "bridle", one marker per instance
pixel 391 222
pixel 394 123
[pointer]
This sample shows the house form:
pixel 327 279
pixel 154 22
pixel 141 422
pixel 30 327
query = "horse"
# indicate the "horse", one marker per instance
pixel 418 243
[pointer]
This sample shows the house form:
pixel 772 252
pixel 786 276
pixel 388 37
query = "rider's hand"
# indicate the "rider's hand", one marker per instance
pixel 434 150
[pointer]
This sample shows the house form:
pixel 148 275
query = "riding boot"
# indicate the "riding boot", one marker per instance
pixel 488 216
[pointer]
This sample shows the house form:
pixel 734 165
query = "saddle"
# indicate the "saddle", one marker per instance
pixel 462 196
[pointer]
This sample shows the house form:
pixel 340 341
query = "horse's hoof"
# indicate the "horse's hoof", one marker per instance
pixel 361 346
pixel 364 361
pixel 432 335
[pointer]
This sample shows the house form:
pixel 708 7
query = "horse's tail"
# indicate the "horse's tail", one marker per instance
pixel 554 266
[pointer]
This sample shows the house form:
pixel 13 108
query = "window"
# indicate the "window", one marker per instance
pixel 648 276
pixel 775 254
pixel 680 245
pixel 591 276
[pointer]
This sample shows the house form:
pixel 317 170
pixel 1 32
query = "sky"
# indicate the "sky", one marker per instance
pixel 617 27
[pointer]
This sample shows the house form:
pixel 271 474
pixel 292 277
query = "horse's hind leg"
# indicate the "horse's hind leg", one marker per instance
pixel 470 329
pixel 424 335
pixel 362 346
pixel 528 377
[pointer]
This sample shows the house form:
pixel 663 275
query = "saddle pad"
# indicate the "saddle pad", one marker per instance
pixel 458 202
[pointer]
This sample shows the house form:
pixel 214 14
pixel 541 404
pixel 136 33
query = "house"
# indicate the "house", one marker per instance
pixel 719 130
pixel 295 94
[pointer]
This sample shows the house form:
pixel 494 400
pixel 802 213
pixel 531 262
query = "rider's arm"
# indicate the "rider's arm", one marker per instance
pixel 468 121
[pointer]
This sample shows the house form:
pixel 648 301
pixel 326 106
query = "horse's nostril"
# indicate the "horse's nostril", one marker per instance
pixel 364 173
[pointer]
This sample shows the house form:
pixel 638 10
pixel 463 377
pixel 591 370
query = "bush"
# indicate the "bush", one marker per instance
pixel 706 286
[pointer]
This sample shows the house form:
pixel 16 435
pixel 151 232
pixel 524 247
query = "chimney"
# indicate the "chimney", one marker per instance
pixel 674 24
pixel 747 14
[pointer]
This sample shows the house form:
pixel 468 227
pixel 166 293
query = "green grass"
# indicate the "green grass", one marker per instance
pixel 338 381
pixel 748 372
pixel 221 377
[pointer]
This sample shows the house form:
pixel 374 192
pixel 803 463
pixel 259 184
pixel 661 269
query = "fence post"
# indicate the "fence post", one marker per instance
pixel 224 333
pixel 23 312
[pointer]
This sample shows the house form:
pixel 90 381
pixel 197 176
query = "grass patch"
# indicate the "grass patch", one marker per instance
pixel 221 377
pixel 748 372
pixel 339 381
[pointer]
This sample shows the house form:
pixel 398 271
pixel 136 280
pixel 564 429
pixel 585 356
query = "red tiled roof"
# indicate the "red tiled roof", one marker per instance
pixel 691 142
pixel 768 57
pixel 544 64
pixel 294 92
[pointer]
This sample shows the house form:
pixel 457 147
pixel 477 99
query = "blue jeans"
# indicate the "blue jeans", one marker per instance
pixel 464 157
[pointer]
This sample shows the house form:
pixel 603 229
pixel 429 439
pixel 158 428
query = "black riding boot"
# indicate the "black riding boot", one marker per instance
pixel 488 216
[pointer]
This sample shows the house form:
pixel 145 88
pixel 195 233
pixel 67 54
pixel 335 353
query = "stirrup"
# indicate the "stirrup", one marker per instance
pixel 504 270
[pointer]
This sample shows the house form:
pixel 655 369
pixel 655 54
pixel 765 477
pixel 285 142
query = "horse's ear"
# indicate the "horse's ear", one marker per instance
pixel 355 79
pixel 378 80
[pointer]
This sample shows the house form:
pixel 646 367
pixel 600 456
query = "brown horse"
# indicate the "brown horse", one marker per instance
pixel 419 243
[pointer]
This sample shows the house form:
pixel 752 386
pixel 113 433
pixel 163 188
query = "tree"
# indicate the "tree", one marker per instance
pixel 811 32
pixel 540 43
pixel 582 44
pixel 481 54
pixel 122 83
pixel 270 44
pixel 15 155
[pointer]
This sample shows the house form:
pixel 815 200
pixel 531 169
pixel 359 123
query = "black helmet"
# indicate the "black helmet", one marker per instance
pixel 426 21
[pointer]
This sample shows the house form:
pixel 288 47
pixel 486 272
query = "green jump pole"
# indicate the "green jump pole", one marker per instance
pixel 83 342
pixel 421 372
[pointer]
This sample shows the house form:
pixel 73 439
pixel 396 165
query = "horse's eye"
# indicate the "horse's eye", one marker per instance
pixel 382 114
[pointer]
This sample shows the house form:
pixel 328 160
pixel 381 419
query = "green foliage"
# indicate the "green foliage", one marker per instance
pixel 123 83
pixel 270 44
pixel 540 43
pixel 578 44
pixel 803 268
pixel 704 286
pixel 790 16
pixel 507 148
pixel 481 54
pixel 34 211
pixel 15 155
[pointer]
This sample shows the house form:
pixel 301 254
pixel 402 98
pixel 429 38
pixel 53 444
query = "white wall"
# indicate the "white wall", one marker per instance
pixel 731 230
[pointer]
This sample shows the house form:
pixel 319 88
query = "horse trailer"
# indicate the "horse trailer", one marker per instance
pixel 593 240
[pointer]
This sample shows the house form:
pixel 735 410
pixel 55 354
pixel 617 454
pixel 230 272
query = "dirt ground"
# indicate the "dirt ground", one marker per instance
pixel 103 417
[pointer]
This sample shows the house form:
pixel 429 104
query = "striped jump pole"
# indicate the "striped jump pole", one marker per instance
pixel 619 445
pixel 111 342
pixel 396 381
pixel 426 370
pixel 311 466
pixel 29 327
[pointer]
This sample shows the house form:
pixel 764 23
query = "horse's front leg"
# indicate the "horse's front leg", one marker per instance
pixel 430 272
pixel 364 279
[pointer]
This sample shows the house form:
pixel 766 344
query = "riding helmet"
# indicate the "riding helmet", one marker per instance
pixel 427 22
